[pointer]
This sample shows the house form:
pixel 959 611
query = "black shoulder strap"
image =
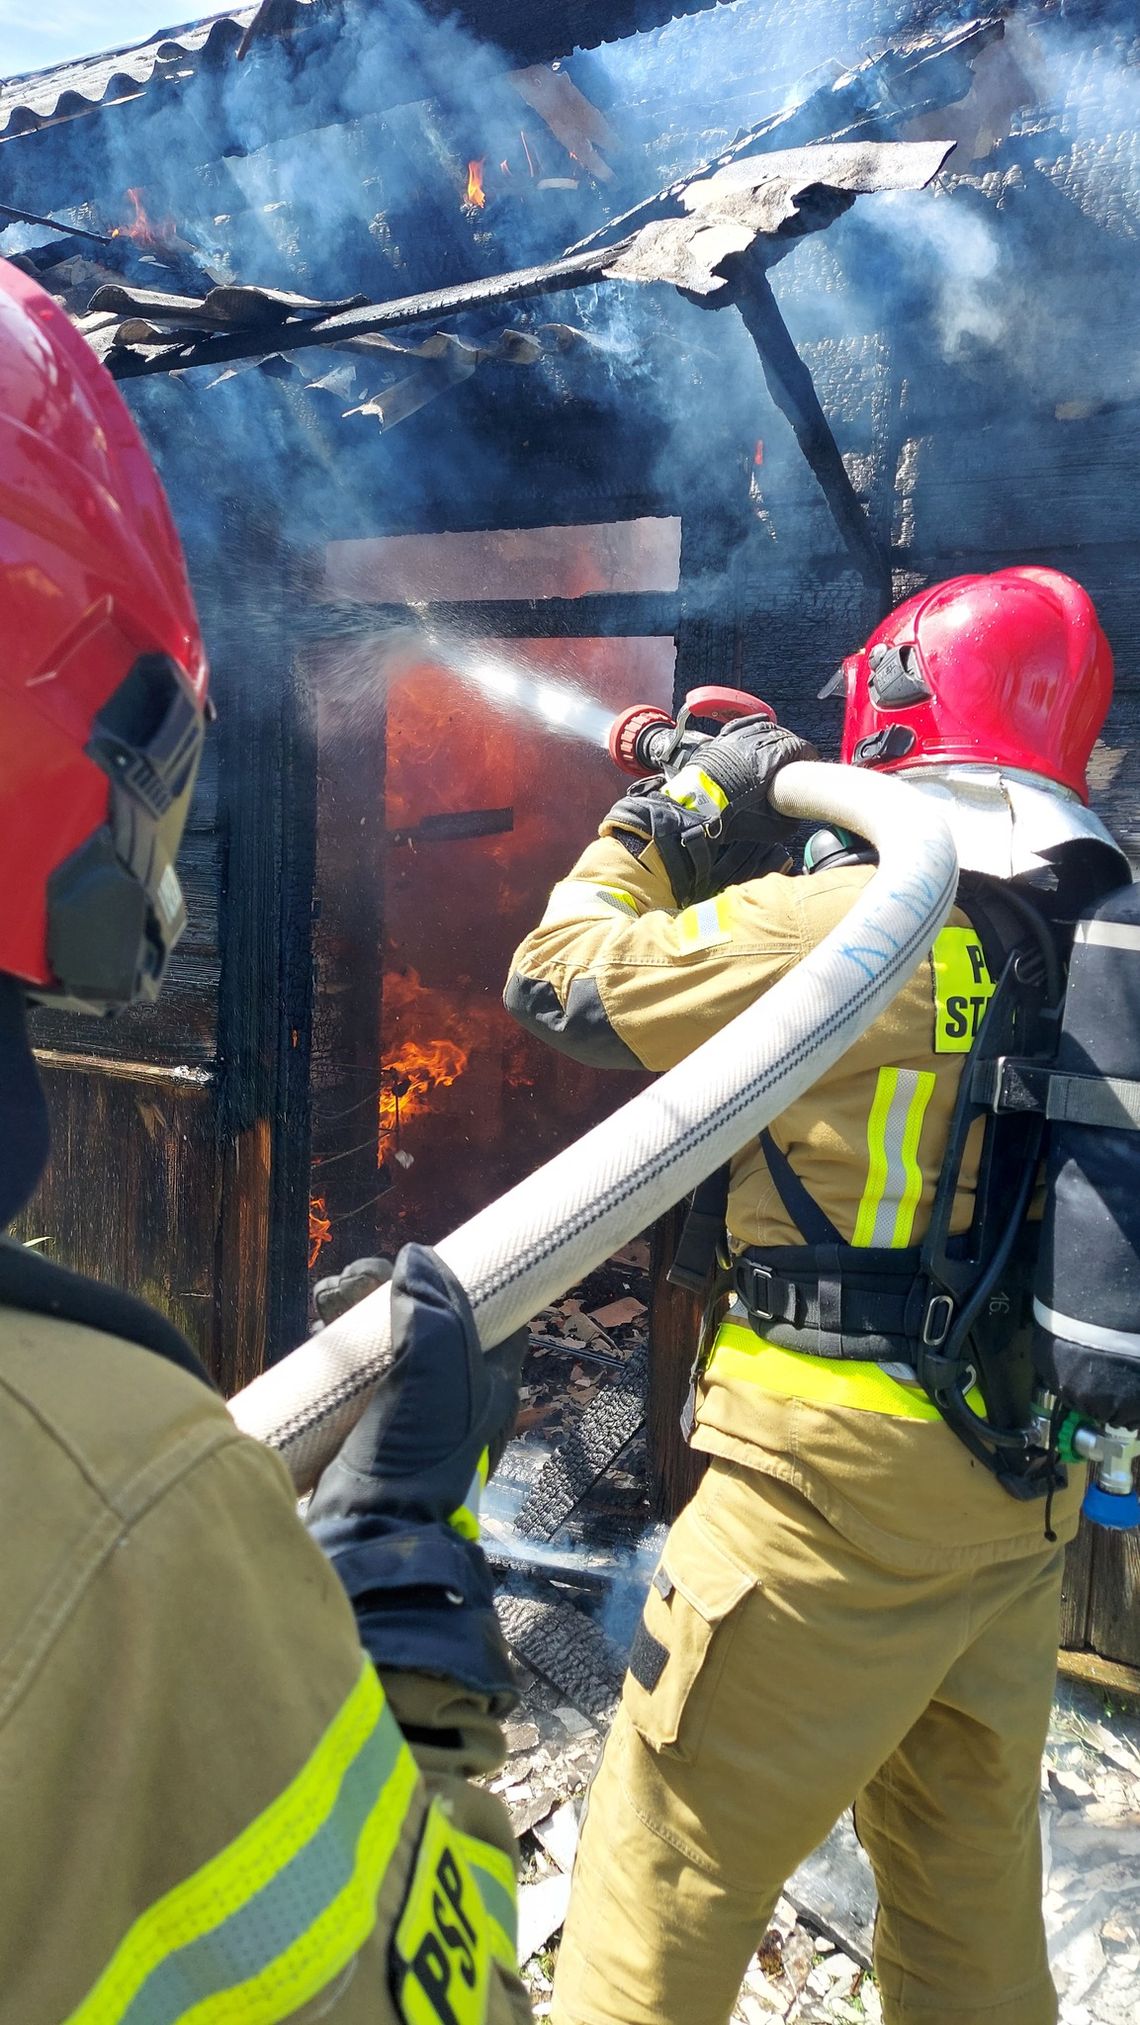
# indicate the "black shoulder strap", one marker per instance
pixel 814 1226
pixel 702 1233
pixel 39 1287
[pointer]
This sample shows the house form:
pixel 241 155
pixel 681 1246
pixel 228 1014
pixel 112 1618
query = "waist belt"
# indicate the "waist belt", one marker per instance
pixel 827 1301
pixel 739 1354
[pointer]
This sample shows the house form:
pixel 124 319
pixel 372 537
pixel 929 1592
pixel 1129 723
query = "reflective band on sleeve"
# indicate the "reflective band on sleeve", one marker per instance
pixel 963 988
pixel 465 1517
pixel 578 900
pixel 694 789
pixel 1108 934
pixel 894 1178
pixel 739 1354
pixel 705 925
pixel 269 1922
pixel 1073 1329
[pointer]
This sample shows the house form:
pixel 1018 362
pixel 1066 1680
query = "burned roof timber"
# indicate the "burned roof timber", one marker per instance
pixel 735 224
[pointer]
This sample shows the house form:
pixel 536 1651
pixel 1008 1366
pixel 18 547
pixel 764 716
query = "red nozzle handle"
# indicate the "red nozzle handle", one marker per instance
pixel 722 705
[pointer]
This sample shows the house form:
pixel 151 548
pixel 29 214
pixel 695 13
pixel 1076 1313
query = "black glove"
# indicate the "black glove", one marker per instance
pixel 712 822
pixel 395 1511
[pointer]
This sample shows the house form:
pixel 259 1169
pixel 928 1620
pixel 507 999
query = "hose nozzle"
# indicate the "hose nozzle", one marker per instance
pixel 645 739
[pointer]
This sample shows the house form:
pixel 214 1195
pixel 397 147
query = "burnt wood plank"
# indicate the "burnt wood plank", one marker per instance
pixel 1063 484
pixel 1114 1597
pixel 146 1220
pixel 347 961
pixel 1075 1590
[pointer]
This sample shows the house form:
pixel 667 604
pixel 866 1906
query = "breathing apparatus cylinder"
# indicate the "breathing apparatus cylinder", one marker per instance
pixel 1086 1306
pixel 524 1250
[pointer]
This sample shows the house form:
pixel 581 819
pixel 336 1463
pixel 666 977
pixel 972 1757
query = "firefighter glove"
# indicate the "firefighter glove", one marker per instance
pixel 396 1510
pixel 711 821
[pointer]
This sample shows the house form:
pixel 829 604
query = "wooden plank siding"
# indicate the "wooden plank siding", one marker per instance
pixel 131 1192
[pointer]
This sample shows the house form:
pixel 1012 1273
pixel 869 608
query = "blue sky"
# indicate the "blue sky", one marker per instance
pixel 33 37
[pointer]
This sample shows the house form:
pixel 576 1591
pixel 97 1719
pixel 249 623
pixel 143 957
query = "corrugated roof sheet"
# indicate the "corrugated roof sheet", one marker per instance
pixel 39 98
pixel 31 101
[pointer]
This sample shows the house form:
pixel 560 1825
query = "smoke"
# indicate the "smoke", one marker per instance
pixel 1006 293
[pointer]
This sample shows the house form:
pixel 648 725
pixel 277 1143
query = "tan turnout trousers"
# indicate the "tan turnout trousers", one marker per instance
pixel 803 1673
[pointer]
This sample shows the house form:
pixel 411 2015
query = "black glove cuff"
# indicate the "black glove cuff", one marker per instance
pixel 682 842
pixel 391 1552
pixel 464 1646
pixel 423 1598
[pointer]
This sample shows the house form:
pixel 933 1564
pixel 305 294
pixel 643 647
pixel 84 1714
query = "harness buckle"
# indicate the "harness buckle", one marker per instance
pixel 936 1322
pixel 755 1303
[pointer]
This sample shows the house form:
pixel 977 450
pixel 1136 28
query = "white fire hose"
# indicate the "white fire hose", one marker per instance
pixel 526 1249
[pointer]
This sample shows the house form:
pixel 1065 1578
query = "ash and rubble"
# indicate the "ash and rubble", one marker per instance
pixel 569 1595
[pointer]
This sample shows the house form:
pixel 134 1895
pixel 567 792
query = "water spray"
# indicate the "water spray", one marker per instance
pixel 507 680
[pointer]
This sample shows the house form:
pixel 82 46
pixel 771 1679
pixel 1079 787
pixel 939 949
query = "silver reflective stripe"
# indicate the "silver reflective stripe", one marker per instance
pixel 1121 1342
pixel 1109 934
pixel 704 926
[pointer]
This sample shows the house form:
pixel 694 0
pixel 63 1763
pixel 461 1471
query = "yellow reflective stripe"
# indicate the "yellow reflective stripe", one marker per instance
pixel 273 1918
pixel 694 789
pixel 876 1158
pixel 705 925
pixel 893 1188
pixel 578 900
pixel 494 1873
pixel 963 988
pixel 465 1518
pixel 738 1353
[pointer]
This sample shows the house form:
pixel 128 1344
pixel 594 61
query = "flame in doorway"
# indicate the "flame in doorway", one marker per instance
pixel 320 1228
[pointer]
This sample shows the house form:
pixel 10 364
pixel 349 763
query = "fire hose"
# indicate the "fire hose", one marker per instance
pixel 524 1250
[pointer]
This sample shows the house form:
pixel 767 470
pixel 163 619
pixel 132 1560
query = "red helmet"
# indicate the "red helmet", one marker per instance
pixel 1006 670
pixel 102 674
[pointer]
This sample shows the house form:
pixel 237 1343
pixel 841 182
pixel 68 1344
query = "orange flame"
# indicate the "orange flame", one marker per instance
pixel 476 196
pixel 142 228
pixel 320 1228
pixel 419 1068
pixel 414 1069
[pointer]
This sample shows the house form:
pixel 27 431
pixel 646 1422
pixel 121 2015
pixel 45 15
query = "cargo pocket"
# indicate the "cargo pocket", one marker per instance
pixel 682 1641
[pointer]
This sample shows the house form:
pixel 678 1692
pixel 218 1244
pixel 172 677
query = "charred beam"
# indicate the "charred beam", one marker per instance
pixel 371 318
pixel 628 615
pixel 13 216
pixel 793 390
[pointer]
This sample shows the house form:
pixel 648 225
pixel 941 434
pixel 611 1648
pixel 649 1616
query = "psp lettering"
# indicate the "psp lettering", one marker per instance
pixel 964 1015
pixel 963 989
pixel 444 1964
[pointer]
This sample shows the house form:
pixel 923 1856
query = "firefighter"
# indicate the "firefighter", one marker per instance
pixel 234 1769
pixel 853 1608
